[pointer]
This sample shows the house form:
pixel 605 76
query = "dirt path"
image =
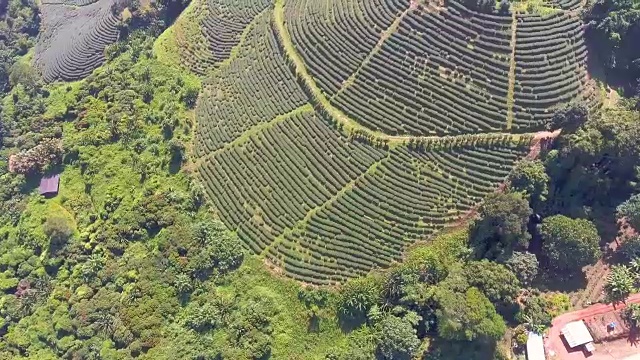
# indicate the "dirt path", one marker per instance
pixel 512 71
pixel 554 343
pixel 540 140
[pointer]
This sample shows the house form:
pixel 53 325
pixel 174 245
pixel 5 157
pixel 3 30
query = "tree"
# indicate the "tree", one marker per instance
pixel 524 265
pixel 569 243
pixel 398 339
pixel 502 226
pixel 534 313
pixel 217 250
pixel 314 300
pixel 631 314
pixel 630 248
pixel 614 27
pixel 48 152
pixel 630 210
pixel 595 167
pixel 22 73
pixel 496 281
pixel 468 316
pixel 504 7
pixel 58 230
pixel 189 93
pixel 570 117
pixel 358 296
pixel 620 283
pixel 530 177
pixel 183 284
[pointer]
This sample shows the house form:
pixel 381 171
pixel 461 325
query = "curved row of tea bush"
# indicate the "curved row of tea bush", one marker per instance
pixel 440 73
pixel 572 5
pixel 411 195
pixel 270 182
pixel 325 207
pixel 69 2
pixel 256 87
pixel 550 60
pixel 213 29
pixel 74 38
pixel 334 36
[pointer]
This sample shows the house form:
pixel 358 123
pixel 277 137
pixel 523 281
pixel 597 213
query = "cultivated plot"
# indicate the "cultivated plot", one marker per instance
pixel 73 38
pixel 337 133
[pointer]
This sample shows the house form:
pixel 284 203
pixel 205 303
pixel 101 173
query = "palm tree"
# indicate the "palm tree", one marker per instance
pixel 634 266
pixel 619 285
pixel 104 322
pixel 632 315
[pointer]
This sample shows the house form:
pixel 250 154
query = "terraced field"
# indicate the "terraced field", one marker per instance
pixel 74 34
pixel 407 196
pixel 550 57
pixel 255 87
pixel 210 29
pixel 333 134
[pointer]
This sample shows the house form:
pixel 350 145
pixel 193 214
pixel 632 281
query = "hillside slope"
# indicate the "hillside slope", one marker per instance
pixel 406 113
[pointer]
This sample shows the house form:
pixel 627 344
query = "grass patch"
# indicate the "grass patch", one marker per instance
pixel 537 7
pixel 185 31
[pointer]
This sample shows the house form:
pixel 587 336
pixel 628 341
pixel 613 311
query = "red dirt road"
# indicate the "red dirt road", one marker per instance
pixel 554 342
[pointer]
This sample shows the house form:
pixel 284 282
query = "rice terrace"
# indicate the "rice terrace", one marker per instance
pixel 319 179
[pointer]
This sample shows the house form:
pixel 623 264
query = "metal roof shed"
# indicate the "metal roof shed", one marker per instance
pixel 535 347
pixel 576 334
pixel 49 185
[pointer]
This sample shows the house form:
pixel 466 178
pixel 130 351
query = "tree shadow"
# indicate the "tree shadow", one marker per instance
pixel 634 336
pixel 314 324
pixel 553 280
pixel 606 223
pixel 175 164
pixel 31 183
pixel 349 323
pixel 598 71
pixel 468 350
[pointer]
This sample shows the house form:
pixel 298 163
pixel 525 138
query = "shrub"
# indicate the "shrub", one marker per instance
pixel 358 296
pixel 58 230
pixel 398 339
pixel 468 316
pixel 48 152
pixel 630 248
pixel 524 265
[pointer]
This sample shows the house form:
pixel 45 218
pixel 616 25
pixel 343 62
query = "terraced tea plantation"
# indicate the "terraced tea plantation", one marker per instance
pixel 74 36
pixel 209 29
pixel 332 134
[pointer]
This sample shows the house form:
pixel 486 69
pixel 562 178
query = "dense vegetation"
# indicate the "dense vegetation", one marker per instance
pixel 19 24
pixel 202 170
pixel 615 27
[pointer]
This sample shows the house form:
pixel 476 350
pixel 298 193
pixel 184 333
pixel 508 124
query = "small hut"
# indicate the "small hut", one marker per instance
pixel 49 185
pixel 576 333
pixel 535 347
